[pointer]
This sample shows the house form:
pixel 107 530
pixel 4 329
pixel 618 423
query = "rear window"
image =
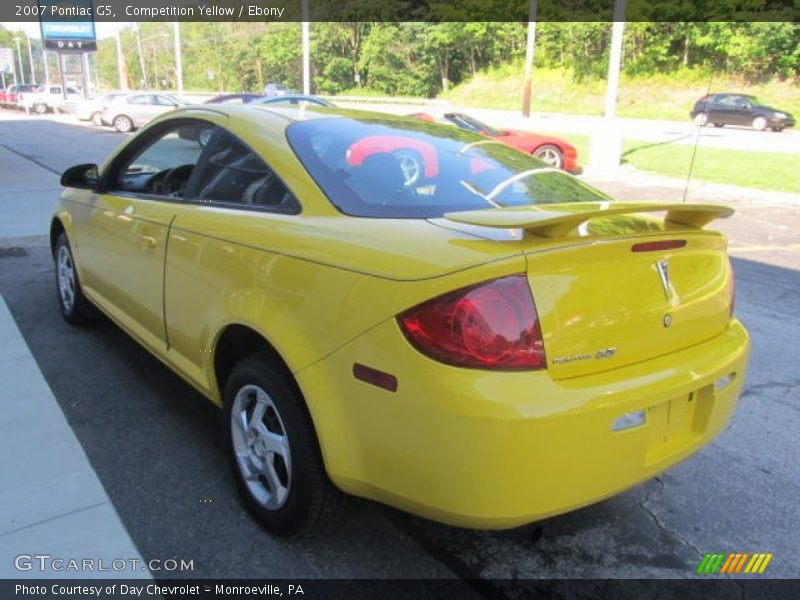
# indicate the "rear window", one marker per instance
pixel 407 168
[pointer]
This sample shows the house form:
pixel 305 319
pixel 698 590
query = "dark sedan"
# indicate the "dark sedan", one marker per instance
pixel 739 109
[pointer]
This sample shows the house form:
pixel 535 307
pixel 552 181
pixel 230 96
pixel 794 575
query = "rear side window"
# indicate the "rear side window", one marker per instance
pixel 406 168
pixel 232 174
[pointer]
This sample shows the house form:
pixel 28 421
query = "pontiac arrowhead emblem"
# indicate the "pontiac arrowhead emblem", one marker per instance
pixel 662 267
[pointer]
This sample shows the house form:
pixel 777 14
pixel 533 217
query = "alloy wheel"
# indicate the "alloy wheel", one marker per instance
pixel 411 165
pixel 261 446
pixel 66 279
pixel 550 155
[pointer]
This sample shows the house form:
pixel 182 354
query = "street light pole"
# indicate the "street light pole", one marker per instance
pixel 19 58
pixel 306 51
pixel 123 80
pixel 30 60
pixel 178 59
pixel 141 55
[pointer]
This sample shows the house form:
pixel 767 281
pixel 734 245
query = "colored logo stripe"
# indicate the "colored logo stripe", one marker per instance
pixel 734 562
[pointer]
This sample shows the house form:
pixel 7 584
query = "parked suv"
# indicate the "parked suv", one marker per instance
pixel 739 109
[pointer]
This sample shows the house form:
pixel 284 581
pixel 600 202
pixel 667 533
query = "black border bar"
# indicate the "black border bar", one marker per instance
pixel 418 10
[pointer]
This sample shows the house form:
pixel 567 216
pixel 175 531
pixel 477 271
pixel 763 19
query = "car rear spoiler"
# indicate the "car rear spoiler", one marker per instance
pixel 557 220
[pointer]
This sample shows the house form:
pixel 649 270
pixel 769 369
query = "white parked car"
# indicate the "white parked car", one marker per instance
pixel 48 98
pixel 92 109
pixel 130 111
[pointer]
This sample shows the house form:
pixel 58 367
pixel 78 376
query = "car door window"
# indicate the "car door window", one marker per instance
pixel 163 164
pixel 141 99
pixel 163 101
pixel 232 174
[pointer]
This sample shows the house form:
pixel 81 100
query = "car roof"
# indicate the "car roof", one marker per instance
pixel 287 113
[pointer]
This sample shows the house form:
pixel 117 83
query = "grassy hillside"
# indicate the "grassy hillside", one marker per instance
pixel 651 97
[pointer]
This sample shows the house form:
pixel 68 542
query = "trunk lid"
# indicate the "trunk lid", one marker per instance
pixel 605 301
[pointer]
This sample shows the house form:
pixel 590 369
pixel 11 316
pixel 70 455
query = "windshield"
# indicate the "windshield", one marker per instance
pixel 406 168
pixel 472 124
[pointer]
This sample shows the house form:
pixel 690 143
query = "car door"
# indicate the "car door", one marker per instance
pixel 136 107
pixel 122 234
pixel 205 271
pixel 742 112
pixel 718 109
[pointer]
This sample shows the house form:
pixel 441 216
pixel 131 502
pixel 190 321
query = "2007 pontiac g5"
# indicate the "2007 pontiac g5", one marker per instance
pixel 406 312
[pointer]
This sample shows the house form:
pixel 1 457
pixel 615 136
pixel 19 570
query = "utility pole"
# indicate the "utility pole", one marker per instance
pixel 614 64
pixel 30 60
pixel 19 58
pixel 46 66
pixel 178 59
pixel 605 152
pixel 530 46
pixel 86 75
pixel 141 55
pixel 63 71
pixel 123 78
pixel 306 51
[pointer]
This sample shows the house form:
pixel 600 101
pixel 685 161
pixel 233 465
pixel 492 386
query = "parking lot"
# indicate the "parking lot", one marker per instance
pixel 156 444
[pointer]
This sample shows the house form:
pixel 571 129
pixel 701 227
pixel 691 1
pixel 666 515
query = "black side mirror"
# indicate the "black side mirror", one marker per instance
pixel 83 177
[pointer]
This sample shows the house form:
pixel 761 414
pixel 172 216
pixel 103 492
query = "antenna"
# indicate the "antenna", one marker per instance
pixel 697 138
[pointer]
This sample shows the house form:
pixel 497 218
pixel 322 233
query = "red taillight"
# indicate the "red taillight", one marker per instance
pixel 662 245
pixel 492 325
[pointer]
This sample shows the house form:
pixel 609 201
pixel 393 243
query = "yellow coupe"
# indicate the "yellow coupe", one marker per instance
pixel 405 311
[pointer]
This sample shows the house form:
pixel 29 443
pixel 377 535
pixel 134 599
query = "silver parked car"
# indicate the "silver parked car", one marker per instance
pixel 92 109
pixel 130 111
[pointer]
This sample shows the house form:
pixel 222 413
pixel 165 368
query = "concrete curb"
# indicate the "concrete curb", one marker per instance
pixel 52 503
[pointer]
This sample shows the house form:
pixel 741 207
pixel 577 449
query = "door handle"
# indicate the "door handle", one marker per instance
pixel 148 240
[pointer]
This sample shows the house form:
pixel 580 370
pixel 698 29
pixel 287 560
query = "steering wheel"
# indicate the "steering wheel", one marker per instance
pixel 175 180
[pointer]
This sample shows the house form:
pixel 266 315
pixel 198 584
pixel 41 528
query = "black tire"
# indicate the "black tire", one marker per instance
pixel 719 124
pixel 39 108
pixel 123 124
pixel 313 504
pixel 777 129
pixel 77 311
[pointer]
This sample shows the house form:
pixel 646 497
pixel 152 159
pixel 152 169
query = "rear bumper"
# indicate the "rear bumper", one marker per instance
pixel 496 450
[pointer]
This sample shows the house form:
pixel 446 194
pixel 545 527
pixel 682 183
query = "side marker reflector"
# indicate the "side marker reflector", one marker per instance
pixel 375 377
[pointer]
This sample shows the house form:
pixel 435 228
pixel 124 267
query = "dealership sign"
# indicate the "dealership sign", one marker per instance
pixel 67 25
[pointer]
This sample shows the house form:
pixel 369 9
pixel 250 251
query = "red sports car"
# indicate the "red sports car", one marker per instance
pixel 552 150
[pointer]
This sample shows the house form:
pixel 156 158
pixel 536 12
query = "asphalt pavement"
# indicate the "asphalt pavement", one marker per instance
pixel 156 445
